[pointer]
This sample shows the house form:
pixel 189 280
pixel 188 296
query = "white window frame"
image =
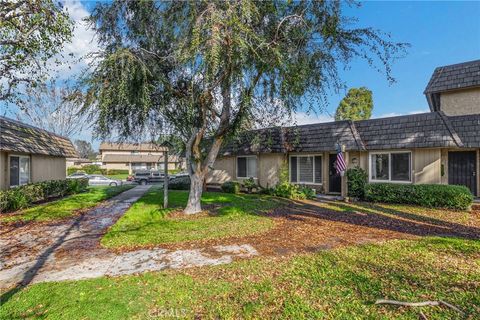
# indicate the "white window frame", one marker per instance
pixel 370 174
pixel 256 167
pixel 298 169
pixel 29 167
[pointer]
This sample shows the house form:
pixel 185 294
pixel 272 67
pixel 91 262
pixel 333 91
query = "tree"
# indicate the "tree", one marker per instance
pixel 85 150
pixel 203 68
pixel 357 105
pixel 31 33
pixel 53 107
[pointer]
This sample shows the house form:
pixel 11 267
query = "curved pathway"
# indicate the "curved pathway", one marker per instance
pixel 70 249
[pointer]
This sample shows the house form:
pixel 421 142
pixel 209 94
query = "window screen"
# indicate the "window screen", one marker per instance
pixel 242 167
pixel 380 170
pixel 293 169
pixel 306 169
pixel 14 171
pixel 318 169
pixel 400 166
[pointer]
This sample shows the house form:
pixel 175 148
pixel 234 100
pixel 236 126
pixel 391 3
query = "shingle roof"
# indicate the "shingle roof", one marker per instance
pixel 104 146
pixel 456 76
pixel 137 158
pixel 16 136
pixel 321 137
pixel 425 130
pixel 267 140
pixel 468 129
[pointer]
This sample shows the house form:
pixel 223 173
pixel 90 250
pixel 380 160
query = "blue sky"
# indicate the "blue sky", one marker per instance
pixel 440 33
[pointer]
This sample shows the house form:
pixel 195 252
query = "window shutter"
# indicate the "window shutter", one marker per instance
pixel 318 169
pixel 241 167
pixel 293 169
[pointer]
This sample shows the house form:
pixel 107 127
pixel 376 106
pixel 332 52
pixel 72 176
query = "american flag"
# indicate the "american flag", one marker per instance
pixel 341 165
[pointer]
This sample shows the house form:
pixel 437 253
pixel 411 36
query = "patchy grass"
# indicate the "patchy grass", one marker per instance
pixel 337 284
pixel 65 207
pixel 403 211
pixel 146 222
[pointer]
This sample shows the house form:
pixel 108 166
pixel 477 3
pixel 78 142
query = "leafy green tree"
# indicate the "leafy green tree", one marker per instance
pixel 357 105
pixel 31 33
pixel 203 69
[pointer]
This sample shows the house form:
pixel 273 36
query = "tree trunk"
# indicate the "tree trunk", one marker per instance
pixel 196 190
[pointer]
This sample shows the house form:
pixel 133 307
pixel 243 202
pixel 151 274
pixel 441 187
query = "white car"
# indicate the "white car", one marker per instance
pixel 78 175
pixel 99 180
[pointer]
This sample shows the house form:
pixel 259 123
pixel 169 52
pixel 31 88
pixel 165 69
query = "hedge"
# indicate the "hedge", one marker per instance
pixel 89 169
pixel 24 196
pixel 231 187
pixel 427 195
pixel 116 171
pixel 180 183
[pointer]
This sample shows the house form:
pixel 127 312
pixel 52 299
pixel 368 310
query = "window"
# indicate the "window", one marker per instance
pixel 246 167
pixel 19 170
pixel 391 167
pixel 306 169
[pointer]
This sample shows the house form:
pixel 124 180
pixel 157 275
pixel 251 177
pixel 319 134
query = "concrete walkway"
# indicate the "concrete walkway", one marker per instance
pixel 70 250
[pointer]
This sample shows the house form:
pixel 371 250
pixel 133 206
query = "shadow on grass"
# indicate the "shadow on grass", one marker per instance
pixel 71 203
pixel 30 274
pixel 378 217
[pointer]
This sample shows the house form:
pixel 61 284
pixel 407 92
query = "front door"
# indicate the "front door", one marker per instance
pixel 461 169
pixel 335 181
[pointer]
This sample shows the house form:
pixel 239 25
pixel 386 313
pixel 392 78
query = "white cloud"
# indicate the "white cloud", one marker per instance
pixel 309 118
pixel 396 114
pixel 74 57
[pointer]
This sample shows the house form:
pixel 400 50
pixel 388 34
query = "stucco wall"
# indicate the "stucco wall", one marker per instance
pixel 460 102
pixel 47 168
pixel 223 170
pixel 269 167
pixel 3 170
pixel 427 166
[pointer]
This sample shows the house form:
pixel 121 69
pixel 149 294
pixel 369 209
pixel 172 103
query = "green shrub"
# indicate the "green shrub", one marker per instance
pixel 292 191
pixel 180 183
pixel 427 195
pixel 116 171
pixel 231 187
pixel 250 184
pixel 24 196
pixel 357 179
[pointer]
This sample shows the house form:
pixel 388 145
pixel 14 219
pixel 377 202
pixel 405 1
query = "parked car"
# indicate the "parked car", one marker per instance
pixel 99 180
pixel 145 177
pixel 78 175
pixel 178 175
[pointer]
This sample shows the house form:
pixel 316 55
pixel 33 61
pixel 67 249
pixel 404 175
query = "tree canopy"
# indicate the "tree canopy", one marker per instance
pixel 356 105
pixel 205 70
pixel 31 33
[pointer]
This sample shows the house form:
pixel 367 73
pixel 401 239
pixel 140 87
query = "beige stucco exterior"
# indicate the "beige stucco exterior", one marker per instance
pixel 460 102
pixel 426 167
pixel 42 168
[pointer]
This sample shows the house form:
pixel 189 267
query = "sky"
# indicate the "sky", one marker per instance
pixel 440 33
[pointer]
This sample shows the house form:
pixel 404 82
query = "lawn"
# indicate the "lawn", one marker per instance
pixel 337 284
pixel 65 207
pixel 146 222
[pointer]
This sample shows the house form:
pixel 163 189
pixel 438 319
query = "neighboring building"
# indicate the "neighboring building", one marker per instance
pixel 78 162
pixel 455 89
pixel 29 154
pixel 137 156
pixel 432 148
